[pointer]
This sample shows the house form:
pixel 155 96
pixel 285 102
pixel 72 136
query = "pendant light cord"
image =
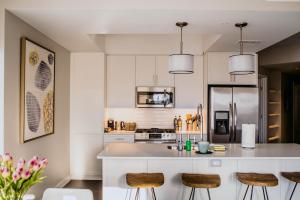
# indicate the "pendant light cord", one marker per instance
pixel 241 40
pixel 181 43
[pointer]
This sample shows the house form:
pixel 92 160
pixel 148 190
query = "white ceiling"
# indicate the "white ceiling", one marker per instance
pixel 73 24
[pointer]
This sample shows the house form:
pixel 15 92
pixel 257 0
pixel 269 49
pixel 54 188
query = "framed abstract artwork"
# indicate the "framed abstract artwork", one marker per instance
pixel 36 91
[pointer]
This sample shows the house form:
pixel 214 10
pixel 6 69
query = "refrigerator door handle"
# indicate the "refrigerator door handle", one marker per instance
pixel 235 121
pixel 230 123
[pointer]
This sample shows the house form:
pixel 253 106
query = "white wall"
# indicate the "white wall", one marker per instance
pixel 152 44
pixel 54 147
pixel 2 22
pixel 86 114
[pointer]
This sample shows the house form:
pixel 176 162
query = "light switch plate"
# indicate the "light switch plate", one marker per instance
pixel 216 163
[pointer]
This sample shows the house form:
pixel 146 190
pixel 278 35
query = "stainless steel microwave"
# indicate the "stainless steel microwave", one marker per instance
pixel 155 97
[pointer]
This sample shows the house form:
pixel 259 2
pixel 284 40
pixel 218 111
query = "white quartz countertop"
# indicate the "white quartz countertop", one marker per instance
pixel 234 151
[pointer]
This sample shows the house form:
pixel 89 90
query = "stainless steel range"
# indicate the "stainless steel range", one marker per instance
pixel 155 135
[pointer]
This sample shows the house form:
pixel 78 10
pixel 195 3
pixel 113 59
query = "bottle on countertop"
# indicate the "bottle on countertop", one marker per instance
pixel 175 123
pixel 188 144
pixel 111 124
pixel 122 125
pixel 180 143
pixel 116 126
pixel 179 122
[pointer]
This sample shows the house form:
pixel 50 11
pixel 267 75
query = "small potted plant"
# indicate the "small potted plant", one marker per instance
pixel 15 181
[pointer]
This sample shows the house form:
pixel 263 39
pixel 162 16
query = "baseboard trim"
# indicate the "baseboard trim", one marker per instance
pixel 86 177
pixel 63 182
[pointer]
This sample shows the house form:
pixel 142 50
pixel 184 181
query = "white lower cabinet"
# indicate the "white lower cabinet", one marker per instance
pixel 118 138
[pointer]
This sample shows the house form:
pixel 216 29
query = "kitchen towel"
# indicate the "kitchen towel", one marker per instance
pixel 248 135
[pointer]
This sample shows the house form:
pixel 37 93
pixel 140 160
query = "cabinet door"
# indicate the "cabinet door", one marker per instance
pixel 218 70
pixel 163 78
pixel 121 81
pixel 119 138
pixel 145 70
pixel 189 87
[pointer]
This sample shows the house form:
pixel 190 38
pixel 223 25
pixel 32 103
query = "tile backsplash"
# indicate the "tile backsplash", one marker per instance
pixel 149 117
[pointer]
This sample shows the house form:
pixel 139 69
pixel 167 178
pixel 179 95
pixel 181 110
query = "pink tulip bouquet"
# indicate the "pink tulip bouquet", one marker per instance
pixel 15 181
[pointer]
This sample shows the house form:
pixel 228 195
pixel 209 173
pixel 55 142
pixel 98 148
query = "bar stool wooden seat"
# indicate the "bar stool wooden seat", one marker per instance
pixel 145 180
pixel 256 179
pixel 206 181
pixel 293 177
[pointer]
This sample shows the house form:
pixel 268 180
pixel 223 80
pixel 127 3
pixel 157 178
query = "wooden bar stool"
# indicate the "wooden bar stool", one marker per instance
pixel 206 181
pixel 145 180
pixel 255 179
pixel 293 177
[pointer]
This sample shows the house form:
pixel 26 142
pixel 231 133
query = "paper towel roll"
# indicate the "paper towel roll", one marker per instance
pixel 248 135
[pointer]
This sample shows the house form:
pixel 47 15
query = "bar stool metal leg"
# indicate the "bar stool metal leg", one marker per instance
pixel 128 194
pixel 266 193
pixel 263 190
pixel 208 194
pixel 153 194
pixel 137 194
pixel 251 192
pixel 246 193
pixel 293 191
pixel 192 194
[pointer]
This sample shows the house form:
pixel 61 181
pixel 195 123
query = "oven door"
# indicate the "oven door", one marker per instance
pixel 155 97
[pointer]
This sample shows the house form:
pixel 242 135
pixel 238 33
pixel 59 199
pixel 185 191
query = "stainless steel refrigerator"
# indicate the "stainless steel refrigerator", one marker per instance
pixel 229 108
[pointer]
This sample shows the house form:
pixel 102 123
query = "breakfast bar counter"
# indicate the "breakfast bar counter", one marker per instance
pixel 234 151
pixel 121 158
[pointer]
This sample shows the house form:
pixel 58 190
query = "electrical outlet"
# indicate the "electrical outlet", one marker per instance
pixel 216 163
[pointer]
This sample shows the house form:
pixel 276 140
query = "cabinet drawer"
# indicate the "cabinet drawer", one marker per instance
pixel 119 138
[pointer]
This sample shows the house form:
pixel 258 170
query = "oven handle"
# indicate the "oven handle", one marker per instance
pixel 156 141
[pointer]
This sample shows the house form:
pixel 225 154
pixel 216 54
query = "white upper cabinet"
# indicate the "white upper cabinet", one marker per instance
pixel 153 71
pixel 217 69
pixel 145 71
pixel 189 87
pixel 162 72
pixel 121 81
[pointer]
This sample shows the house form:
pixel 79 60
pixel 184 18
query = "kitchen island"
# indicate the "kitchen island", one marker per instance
pixel 121 158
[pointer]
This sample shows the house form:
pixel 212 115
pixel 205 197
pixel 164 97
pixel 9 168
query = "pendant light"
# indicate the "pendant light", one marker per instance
pixel 241 64
pixel 181 63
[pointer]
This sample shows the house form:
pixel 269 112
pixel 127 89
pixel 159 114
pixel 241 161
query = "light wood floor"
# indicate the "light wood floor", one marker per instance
pixel 95 186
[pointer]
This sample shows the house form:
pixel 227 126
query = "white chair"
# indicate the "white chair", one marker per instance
pixel 67 194
pixel 28 197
